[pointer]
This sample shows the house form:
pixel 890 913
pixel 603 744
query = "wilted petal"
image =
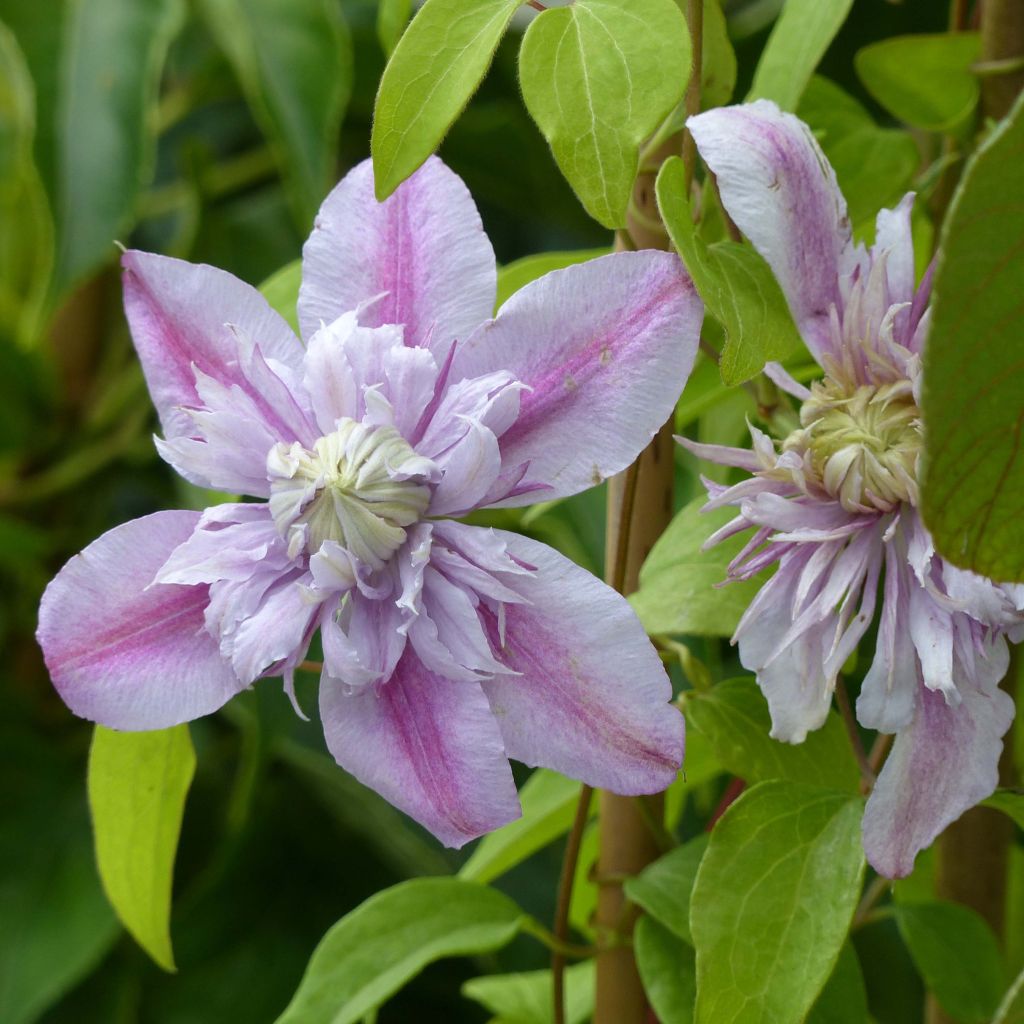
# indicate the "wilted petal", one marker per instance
pixel 616 334
pixel 122 652
pixel 781 191
pixel 423 250
pixel 178 313
pixel 428 745
pixel 945 762
pixel 592 697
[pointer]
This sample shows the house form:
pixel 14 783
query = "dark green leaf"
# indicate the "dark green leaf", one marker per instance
pixel 1010 802
pixel 667 969
pixel 138 782
pixel 294 60
pixel 974 367
pixel 797 42
pixel 924 81
pixel 773 900
pixel 678 592
pixel 735 283
pixel 663 889
pixel 527 998
pixel 598 77
pixel 957 955
pixel 435 69
pixel 373 951
pixel 734 718
pixel 843 1000
pixel 392 17
pixel 718 60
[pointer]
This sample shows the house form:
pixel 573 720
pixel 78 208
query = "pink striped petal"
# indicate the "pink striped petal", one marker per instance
pixel 617 334
pixel 592 699
pixel 178 314
pixel 423 250
pixel 781 191
pixel 125 654
pixel 428 745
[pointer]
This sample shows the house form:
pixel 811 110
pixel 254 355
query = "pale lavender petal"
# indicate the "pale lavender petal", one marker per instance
pixel 945 762
pixel 122 652
pixel 723 455
pixel 428 745
pixel 178 313
pixel 618 334
pixel 423 249
pixel 592 697
pixel 781 191
pixel 782 378
pixel 491 399
pixel 895 242
pixel 362 643
pixel 470 469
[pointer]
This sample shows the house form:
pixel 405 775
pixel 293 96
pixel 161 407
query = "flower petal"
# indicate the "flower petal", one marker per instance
pixel 423 250
pixel 592 699
pixel 428 745
pixel 618 334
pixel 781 191
pixel 943 763
pixel 122 652
pixel 178 313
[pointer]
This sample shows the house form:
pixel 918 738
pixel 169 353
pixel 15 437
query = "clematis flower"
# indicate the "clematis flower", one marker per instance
pixel 834 507
pixel 447 648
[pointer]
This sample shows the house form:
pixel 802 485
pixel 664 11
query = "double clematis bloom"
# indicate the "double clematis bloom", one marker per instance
pixel 834 508
pixel 447 648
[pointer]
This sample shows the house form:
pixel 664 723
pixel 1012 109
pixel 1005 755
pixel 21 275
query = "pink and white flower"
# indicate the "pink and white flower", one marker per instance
pixel 834 507
pixel 447 648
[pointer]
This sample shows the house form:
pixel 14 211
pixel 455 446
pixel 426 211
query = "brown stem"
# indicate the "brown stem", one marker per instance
pixel 1002 39
pixel 695 19
pixel 879 750
pixel 561 928
pixel 850 721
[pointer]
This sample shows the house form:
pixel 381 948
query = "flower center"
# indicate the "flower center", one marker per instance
pixel 360 487
pixel 863 445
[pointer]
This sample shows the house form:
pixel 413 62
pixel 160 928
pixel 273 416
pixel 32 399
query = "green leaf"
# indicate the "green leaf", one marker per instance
pixel 974 367
pixel 797 42
pixel 435 69
pixel 844 999
pixel 137 787
pixel 392 17
pixel 514 275
pixel 736 284
pixel 734 717
pixel 663 888
pixel 281 290
pixel 677 588
pixel 957 955
pixel 599 77
pixel 26 243
pixel 549 805
pixel 874 166
pixel 294 60
pixel 1010 802
pixel 924 81
pixel 387 940
pixel 667 970
pixel 526 998
pixel 773 901
pixel 718 59
pixel 108 65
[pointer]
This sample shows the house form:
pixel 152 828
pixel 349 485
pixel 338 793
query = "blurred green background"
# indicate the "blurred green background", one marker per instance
pixel 211 130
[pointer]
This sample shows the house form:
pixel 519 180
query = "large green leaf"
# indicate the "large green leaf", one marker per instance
pixel 734 718
pixel 974 367
pixel 736 284
pixel 924 81
pixel 526 998
pixel 663 888
pixel 957 955
pixel 138 782
pixel 797 42
pixel 294 60
pixel 666 966
pixel 598 77
pixel 549 805
pixel 514 275
pixel 26 243
pixel 677 591
pixel 435 69
pixel 373 951
pixel 773 900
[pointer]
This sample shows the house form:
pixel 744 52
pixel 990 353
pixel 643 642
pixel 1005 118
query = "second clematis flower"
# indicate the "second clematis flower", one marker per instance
pixel 834 507
pixel 447 648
